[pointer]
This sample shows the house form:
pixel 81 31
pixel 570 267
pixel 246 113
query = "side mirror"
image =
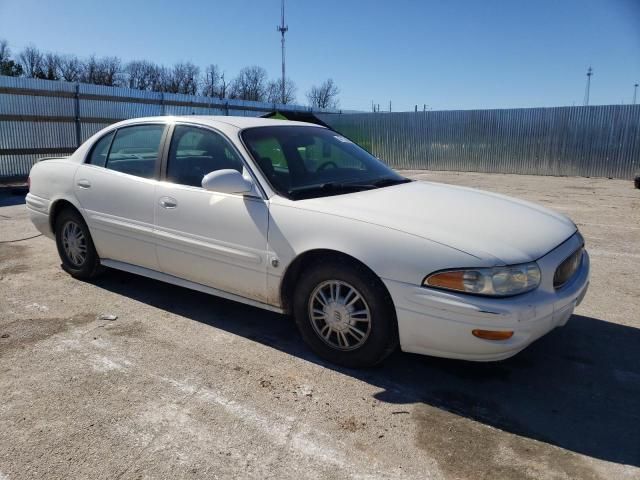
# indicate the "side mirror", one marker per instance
pixel 227 181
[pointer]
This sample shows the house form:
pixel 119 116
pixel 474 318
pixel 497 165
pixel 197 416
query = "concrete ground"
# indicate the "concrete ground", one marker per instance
pixel 185 385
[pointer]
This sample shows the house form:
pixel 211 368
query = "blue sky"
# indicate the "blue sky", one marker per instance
pixel 446 54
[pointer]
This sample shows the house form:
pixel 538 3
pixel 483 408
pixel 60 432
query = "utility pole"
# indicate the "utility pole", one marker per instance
pixel 283 29
pixel 588 88
pixel 635 92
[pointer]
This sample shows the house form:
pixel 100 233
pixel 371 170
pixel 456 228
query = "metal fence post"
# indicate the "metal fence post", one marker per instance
pixel 76 119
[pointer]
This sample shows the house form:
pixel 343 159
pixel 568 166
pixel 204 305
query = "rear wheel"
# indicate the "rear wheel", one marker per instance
pixel 345 315
pixel 75 247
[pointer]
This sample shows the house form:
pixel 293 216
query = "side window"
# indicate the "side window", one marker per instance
pixel 195 152
pixel 100 150
pixel 135 150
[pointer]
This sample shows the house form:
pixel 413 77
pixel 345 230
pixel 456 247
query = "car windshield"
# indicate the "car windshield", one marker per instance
pixel 305 162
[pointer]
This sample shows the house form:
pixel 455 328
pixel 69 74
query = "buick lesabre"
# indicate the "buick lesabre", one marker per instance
pixel 295 218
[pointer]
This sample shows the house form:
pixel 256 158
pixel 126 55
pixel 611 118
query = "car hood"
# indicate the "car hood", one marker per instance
pixel 486 225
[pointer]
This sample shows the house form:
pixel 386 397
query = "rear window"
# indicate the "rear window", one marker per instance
pixel 100 150
pixel 135 150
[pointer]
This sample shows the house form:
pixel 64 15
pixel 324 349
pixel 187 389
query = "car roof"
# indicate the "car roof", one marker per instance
pixel 216 120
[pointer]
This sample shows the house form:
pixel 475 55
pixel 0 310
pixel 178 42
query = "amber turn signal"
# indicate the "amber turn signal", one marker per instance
pixel 453 280
pixel 493 334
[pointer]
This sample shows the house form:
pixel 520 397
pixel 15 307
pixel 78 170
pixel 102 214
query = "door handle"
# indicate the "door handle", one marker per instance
pixel 84 183
pixel 167 202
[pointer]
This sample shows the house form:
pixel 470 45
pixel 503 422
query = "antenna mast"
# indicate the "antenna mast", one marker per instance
pixel 586 91
pixel 282 28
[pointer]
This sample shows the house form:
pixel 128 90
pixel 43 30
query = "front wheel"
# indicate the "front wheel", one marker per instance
pixel 345 315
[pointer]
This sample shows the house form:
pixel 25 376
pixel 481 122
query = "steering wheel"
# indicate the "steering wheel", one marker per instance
pixel 326 165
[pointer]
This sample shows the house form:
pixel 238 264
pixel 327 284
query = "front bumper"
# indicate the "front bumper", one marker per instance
pixel 438 323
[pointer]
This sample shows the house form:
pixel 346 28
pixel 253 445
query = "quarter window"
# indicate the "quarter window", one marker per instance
pixel 195 152
pixel 100 150
pixel 135 150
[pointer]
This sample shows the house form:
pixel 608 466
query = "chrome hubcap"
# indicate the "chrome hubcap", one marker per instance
pixel 74 243
pixel 339 315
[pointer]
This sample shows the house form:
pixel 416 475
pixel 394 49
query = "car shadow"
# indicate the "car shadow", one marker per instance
pixel 577 388
pixel 9 198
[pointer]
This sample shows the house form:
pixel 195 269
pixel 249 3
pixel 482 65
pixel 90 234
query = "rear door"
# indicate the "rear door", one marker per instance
pixel 116 187
pixel 215 239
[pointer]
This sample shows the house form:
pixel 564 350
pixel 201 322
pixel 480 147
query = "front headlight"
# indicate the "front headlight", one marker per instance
pixel 496 281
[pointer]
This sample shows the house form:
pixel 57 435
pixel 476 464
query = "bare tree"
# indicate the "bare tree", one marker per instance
pixel 250 84
pixel 158 78
pixel 90 71
pixel 5 51
pixel 324 96
pixel 224 87
pixel 111 71
pixel 8 66
pixel 135 75
pixel 51 66
pixel 182 78
pixel 31 61
pixel 274 91
pixel 140 74
pixel 70 68
pixel 213 82
pixel 102 71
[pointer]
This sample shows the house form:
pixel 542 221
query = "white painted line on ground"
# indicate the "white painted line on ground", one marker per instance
pixel 609 253
pixel 608 225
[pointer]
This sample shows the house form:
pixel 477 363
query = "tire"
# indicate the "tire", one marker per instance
pixel 75 246
pixel 320 318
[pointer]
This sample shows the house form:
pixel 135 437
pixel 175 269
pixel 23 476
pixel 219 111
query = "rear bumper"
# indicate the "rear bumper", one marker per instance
pixel 38 209
pixel 438 323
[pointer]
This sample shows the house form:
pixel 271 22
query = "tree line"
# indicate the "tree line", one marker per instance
pixel 251 83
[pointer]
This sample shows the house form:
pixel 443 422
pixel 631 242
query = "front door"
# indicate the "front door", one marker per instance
pixel 215 239
pixel 116 188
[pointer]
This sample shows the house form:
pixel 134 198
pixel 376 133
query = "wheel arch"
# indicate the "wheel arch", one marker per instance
pixel 310 257
pixel 58 206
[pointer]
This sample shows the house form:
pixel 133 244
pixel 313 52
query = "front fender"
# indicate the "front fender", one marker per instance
pixel 390 254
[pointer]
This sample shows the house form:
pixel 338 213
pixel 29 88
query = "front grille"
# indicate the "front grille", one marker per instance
pixel 568 268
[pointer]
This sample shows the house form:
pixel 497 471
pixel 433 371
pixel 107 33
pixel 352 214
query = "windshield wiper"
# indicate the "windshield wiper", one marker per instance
pixel 380 183
pixel 388 181
pixel 328 187
pixel 342 187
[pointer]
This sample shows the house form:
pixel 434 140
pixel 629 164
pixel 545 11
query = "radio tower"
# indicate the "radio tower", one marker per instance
pixel 588 88
pixel 282 28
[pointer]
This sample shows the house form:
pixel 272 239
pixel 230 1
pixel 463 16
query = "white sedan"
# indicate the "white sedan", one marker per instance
pixel 297 219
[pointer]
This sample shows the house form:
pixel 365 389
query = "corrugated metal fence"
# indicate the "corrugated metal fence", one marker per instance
pixel 599 141
pixel 42 118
